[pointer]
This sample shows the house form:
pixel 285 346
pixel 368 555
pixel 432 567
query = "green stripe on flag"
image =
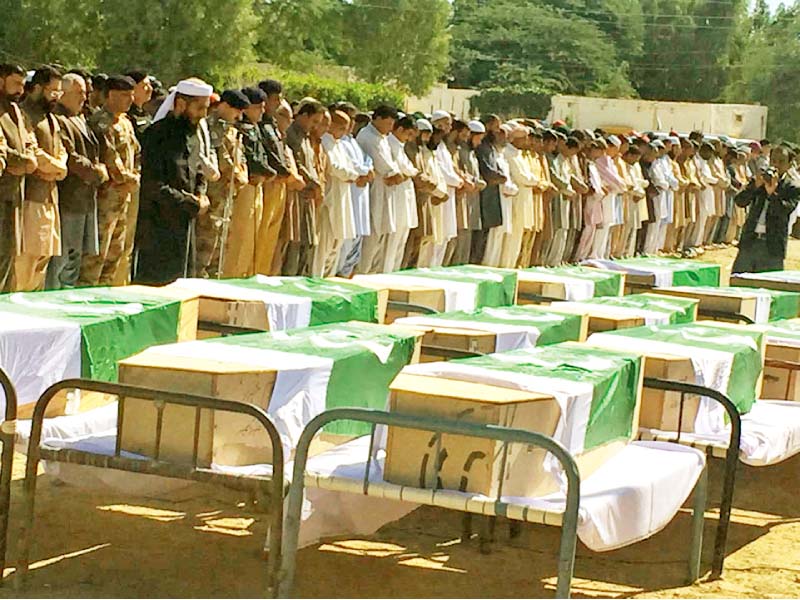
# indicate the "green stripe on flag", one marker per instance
pixel 359 378
pixel 742 342
pixel 331 301
pixel 680 310
pixel 496 287
pixel 784 305
pixel 684 272
pixel 614 376
pixel 553 327
pixel 115 322
pixel 606 283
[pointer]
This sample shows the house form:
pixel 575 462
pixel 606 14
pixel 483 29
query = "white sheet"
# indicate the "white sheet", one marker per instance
pixel 631 497
pixel 575 289
pixel 712 369
pixel 509 336
pixel 284 311
pixel 37 352
pixel 458 295
pixel 651 317
pixel 663 277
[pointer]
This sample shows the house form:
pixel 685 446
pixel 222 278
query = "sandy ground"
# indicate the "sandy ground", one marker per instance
pixel 205 543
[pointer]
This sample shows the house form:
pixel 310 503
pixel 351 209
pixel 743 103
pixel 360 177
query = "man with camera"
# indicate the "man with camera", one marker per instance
pixel 770 198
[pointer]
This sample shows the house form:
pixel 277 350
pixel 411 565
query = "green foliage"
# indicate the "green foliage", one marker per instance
pixel 404 42
pixel 768 73
pixel 364 95
pixel 532 48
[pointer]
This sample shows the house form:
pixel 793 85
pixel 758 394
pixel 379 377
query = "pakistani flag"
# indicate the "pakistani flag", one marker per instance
pixel 725 359
pixel 597 391
pixel 771 305
pixel 654 308
pixel 318 368
pixel 580 283
pixel 292 302
pixel 515 326
pixel 466 287
pixel 46 337
pixel 782 333
pixel 667 272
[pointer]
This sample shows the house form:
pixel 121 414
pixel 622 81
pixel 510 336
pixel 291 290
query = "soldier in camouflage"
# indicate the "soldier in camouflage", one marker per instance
pixel 226 140
pixel 119 151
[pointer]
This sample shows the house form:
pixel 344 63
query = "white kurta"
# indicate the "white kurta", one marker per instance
pixel 359 195
pixel 454 182
pixel 525 180
pixel 381 200
pixel 338 199
pixel 405 199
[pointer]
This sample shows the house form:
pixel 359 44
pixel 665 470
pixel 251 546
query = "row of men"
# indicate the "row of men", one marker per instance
pixel 243 183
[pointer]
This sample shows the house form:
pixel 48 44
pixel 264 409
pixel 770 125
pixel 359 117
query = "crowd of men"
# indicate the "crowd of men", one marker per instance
pixel 109 179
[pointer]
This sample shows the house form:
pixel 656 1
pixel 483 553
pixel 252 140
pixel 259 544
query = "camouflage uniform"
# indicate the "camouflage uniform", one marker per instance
pixel 227 143
pixel 119 151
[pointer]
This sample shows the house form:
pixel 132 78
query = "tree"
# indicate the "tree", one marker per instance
pixel 528 48
pixel 769 73
pixel 397 41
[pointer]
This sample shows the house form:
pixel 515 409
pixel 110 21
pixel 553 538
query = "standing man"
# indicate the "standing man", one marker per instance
pixel 275 189
pixel 41 223
pixel 359 193
pixel 310 115
pixel 20 161
pixel 373 141
pixel 141 120
pixel 770 198
pixel 173 186
pixel 336 222
pixel 119 152
pixel 405 202
pixel 522 218
pixel 443 121
pixel 226 141
pixel 491 213
pixel 78 191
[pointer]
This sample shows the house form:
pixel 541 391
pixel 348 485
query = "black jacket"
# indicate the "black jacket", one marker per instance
pixel 491 212
pixel 779 207
pixel 166 203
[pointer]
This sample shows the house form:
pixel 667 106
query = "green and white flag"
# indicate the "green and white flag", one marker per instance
pixel 515 326
pixel 293 302
pixel 580 283
pixel 771 305
pixel 667 272
pixel 597 391
pixel 783 333
pixel 46 337
pixel 725 359
pixel 466 287
pixel 654 308
pixel 318 368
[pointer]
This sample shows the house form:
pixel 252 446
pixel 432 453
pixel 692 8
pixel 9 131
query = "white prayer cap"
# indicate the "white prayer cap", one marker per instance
pixel 674 139
pixel 29 76
pixel 507 127
pixel 614 140
pixel 187 87
pixel 476 127
pixel 424 125
pixel 438 115
pixel 401 115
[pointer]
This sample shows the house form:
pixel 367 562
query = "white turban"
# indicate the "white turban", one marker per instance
pixel 438 115
pixel 476 127
pixel 424 125
pixel 187 87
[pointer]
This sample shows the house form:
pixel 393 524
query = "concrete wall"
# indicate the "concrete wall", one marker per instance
pixel 443 98
pixel 620 115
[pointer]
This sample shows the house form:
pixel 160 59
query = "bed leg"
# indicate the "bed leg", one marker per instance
pixel 698 521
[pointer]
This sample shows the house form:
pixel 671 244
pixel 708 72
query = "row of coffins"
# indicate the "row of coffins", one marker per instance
pixel 533 369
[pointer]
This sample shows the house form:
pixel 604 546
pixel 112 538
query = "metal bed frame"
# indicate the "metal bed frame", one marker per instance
pixel 268 489
pixel 568 520
pixel 7 436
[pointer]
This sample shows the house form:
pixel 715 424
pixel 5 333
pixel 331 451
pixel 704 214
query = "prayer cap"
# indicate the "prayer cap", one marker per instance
pixel 424 125
pixel 674 139
pixel 657 144
pixel 254 95
pixel 235 98
pixel 438 115
pixel 476 127
pixel 120 83
pixel 614 140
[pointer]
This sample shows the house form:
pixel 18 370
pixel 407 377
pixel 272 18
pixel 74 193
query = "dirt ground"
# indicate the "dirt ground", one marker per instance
pixel 204 543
